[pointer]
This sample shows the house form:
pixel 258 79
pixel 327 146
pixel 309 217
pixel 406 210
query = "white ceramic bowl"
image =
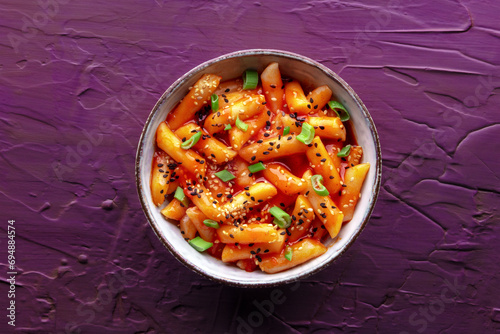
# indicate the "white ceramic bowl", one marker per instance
pixel 231 66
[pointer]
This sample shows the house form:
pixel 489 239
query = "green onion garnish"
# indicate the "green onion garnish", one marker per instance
pixel 250 79
pixel 180 196
pixel 211 223
pixel 215 102
pixel 344 152
pixel 317 183
pixel 281 218
pixel 307 134
pixel 228 127
pixel 199 244
pixel 256 167
pixel 286 130
pixel 289 253
pixel 241 125
pixel 344 114
pixel 225 175
pixel 191 141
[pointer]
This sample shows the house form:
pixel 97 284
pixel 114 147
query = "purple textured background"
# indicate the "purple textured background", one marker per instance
pixel 78 80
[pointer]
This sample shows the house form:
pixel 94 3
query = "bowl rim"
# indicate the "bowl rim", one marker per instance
pixel 257 52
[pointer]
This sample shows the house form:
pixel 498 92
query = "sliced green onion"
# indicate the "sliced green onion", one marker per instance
pixel 344 152
pixel 307 134
pixel 181 197
pixel 250 79
pixel 281 218
pixel 211 223
pixel 241 125
pixel 191 141
pixel 317 183
pixel 256 167
pixel 199 244
pixel 215 102
pixel 228 127
pixel 344 114
pixel 225 175
pixel 289 253
pixel 286 130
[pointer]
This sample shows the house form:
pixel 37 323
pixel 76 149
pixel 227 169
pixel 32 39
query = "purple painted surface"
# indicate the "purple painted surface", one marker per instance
pixel 76 91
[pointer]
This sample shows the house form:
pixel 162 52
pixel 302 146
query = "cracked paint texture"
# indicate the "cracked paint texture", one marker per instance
pixel 77 87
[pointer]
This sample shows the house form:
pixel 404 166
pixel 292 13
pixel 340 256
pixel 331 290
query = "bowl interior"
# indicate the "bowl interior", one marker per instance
pixel 229 67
